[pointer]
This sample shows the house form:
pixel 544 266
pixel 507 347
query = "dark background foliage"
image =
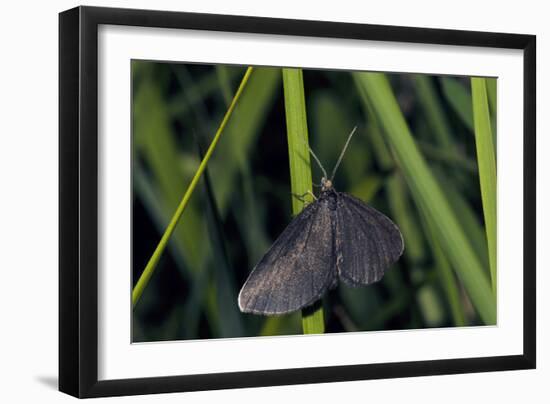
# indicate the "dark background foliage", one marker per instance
pixel 243 202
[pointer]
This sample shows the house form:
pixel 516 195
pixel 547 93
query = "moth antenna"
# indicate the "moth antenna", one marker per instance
pixel 342 154
pixel 317 160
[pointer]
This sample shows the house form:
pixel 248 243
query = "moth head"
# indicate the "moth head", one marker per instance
pixel 326 184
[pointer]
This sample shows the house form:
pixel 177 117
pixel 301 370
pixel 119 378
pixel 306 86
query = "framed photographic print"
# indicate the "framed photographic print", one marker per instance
pixel 252 201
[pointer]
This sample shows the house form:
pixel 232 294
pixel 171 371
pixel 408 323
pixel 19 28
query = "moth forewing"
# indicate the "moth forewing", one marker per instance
pixel 297 269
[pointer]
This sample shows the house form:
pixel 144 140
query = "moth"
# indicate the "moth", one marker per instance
pixel 337 236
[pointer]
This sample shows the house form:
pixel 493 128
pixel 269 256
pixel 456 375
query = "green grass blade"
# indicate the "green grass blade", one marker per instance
pixel 460 100
pixel 405 218
pixel 432 108
pixel 230 320
pixel 487 168
pixel 332 120
pixel 450 157
pixel 148 195
pixel 300 170
pixel 153 261
pixel 155 147
pixel 250 115
pixel 452 293
pixel 181 105
pixel 382 153
pixel 470 222
pixel 427 193
pixel 491 84
pixel 222 72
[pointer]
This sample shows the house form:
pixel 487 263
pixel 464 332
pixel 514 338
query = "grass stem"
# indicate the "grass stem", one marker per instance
pixel 153 261
pixel 486 161
pixel 300 170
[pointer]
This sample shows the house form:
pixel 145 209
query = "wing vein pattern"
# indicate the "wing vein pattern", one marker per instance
pixel 367 242
pixel 298 268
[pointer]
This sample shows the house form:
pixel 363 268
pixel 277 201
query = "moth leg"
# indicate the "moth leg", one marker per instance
pixel 301 198
pixel 311 193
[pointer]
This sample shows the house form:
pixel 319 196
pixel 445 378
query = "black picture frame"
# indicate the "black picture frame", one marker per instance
pixel 78 201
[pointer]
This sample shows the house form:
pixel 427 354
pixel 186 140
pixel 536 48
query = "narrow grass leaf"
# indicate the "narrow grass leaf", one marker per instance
pixel 452 158
pixel 446 276
pixel 487 168
pixel 148 196
pixel 469 220
pixel 426 191
pixel 460 100
pixel 153 261
pixel 224 78
pixel 332 121
pixel 491 84
pixel 427 95
pixel 250 115
pixel 229 316
pixel 405 218
pixel 300 170
pixel 155 145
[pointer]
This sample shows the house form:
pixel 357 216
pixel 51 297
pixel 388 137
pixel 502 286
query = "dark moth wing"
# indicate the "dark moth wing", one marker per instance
pixel 298 268
pixel 367 241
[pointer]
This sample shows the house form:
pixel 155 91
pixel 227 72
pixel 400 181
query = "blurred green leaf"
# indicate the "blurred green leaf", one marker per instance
pixel 451 158
pixel 332 123
pixel 459 98
pixel 229 316
pixel 428 194
pixel 435 114
pixel 487 168
pixel 471 224
pixel 250 114
pixel 405 218
pixel 443 267
pixel 154 143
pixel 367 188
pixel 491 84
pixel 224 78
pixel 431 307
pixel 182 205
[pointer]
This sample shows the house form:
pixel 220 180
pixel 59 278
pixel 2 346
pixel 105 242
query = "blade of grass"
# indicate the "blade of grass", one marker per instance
pixel 300 170
pixel 460 100
pixel 382 153
pixel 487 168
pixel 432 108
pixel 250 219
pixel 445 271
pixel 222 72
pixel 229 315
pixel 250 115
pixel 201 89
pixel 397 201
pixel 450 157
pixel 155 147
pixel 492 94
pixel 332 121
pixel 281 325
pixel 148 196
pixel 470 222
pixel 153 261
pixel 406 219
pixel 367 188
pixel 491 84
pixel 155 144
pixel 426 191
